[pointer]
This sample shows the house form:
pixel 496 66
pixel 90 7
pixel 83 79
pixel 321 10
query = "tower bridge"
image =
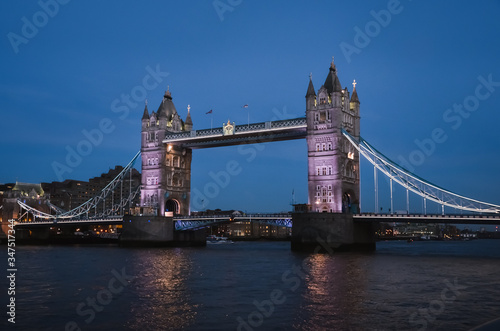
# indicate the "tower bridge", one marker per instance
pixel 333 163
pixel 331 127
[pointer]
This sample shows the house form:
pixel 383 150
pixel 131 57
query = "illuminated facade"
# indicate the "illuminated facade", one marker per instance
pixel 166 170
pixel 333 163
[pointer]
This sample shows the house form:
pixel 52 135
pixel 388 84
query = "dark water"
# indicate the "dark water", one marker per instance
pixel 403 286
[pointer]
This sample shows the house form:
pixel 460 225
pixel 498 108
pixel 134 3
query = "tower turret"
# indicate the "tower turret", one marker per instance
pixel 354 107
pixel 310 95
pixel 332 85
pixel 188 124
pixel 145 116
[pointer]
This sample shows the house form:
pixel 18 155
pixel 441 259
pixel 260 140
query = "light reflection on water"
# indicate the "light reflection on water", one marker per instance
pixel 210 288
pixel 332 306
pixel 162 296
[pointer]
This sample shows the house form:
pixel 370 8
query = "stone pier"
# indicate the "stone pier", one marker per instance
pixel 331 232
pixel 157 231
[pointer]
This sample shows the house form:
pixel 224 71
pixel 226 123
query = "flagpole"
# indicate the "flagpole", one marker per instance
pixel 211 121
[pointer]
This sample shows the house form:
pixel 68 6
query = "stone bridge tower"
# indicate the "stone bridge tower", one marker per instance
pixel 166 170
pixel 333 164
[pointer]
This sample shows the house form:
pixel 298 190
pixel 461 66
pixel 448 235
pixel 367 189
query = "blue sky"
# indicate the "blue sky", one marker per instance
pixel 411 69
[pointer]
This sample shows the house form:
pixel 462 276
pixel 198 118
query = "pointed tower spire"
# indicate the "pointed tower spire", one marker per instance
pixel 189 121
pixel 310 88
pixel 145 116
pixel 332 83
pixel 354 96
pixel 167 93
pixel 166 108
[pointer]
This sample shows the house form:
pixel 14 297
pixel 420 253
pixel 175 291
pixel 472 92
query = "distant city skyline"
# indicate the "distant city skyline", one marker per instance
pixel 72 93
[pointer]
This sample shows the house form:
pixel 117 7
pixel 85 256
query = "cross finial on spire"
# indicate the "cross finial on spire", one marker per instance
pixel 332 65
pixel 189 108
pixel 354 84
pixel 146 102
pixel 310 75
pixel 168 87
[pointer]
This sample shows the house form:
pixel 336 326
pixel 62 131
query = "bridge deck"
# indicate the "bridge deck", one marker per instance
pixel 418 218
pixel 282 219
pixel 243 134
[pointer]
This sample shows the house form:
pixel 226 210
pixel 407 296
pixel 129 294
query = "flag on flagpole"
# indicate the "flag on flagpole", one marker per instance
pixel 209 112
pixel 245 106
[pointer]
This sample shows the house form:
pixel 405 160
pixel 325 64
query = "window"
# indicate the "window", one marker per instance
pixel 318 171
pixel 330 187
pixel 329 146
pixel 323 146
pixel 324 171
pixel 318 188
pixel 317 147
pixel 322 116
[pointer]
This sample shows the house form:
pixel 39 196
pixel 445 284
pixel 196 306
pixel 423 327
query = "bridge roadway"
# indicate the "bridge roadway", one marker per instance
pixel 285 220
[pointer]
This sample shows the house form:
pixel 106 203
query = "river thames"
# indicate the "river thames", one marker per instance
pixel 257 286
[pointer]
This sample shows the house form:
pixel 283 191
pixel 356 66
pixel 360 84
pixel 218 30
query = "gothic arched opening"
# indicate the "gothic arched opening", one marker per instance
pixel 346 203
pixel 173 205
